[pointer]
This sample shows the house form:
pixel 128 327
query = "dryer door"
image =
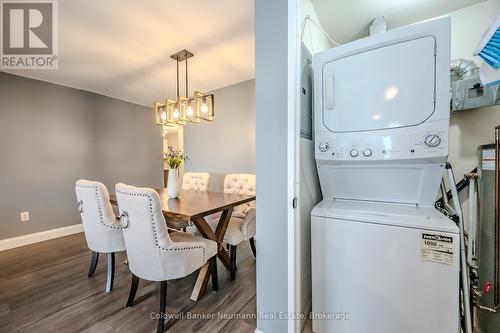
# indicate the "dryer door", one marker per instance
pixel 387 87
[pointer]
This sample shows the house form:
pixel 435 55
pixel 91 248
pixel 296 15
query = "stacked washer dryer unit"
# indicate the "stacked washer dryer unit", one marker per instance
pixel 383 259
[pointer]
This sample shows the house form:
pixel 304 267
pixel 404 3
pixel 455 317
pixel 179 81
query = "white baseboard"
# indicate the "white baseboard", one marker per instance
pixel 257 331
pixel 10 243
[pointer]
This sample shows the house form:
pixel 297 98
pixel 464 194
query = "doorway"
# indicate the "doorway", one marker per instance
pixel 173 136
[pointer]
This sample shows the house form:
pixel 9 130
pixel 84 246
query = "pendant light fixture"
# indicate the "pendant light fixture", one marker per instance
pixel 185 108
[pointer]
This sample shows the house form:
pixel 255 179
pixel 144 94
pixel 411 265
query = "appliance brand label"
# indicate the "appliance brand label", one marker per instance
pixel 437 248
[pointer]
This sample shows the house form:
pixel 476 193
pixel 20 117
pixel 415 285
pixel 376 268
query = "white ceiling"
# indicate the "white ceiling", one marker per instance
pixel 122 48
pixel 347 20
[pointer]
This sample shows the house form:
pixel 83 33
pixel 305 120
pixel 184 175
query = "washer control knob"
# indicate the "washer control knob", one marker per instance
pixel 354 153
pixel 432 140
pixel 323 146
pixel 367 152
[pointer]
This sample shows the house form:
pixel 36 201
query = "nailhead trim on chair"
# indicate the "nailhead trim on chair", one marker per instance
pixel 156 234
pixel 244 229
pixel 99 206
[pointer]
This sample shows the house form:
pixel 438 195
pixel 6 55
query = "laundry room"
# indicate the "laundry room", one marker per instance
pixel 400 102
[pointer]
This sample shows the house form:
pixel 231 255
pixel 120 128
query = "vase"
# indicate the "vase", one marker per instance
pixel 173 186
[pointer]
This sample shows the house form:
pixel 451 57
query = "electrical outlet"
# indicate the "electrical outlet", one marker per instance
pixel 25 216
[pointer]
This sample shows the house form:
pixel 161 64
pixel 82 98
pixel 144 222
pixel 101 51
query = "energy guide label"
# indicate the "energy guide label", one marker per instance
pixel 437 248
pixel 488 159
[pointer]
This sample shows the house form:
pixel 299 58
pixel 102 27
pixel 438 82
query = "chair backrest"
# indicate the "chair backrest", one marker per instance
pixel 195 181
pixel 144 230
pixel 240 183
pixel 102 232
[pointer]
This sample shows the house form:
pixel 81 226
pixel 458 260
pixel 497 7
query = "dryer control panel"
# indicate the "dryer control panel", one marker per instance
pixel 398 144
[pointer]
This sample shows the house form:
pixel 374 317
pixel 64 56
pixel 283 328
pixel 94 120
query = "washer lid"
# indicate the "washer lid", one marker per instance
pixel 426 217
pixel 390 86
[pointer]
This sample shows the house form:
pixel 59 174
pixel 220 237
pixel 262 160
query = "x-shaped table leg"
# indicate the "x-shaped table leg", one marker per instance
pixel 217 236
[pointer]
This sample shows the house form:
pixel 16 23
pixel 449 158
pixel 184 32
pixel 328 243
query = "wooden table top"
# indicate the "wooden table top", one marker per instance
pixel 192 204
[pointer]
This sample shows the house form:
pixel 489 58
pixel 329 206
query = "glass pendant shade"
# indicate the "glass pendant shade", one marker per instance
pixel 187 111
pixel 204 106
pixel 160 113
pixel 174 111
pixel 168 113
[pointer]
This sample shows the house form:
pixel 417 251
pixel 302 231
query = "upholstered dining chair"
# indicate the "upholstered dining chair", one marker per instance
pixel 153 253
pixel 242 223
pixel 192 181
pixel 102 232
pixel 195 181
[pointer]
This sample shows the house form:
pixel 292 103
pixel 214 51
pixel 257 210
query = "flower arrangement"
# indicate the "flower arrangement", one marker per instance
pixel 174 157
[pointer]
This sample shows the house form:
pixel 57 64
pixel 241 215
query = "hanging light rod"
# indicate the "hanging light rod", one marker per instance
pixel 185 108
pixel 182 55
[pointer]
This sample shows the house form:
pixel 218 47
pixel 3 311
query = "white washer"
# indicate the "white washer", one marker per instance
pixel 374 271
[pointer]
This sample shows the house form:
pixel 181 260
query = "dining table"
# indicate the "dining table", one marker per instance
pixel 196 206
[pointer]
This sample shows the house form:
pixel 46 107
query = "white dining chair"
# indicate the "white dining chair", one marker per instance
pixel 154 254
pixel 242 223
pixel 191 181
pixel 102 232
pixel 195 181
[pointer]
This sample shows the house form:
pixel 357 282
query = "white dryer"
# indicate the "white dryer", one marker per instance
pixel 383 259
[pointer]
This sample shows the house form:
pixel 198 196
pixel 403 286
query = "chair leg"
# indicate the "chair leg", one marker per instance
pixel 93 264
pixel 232 273
pixel 161 308
pixel 215 278
pixel 252 245
pixel 111 272
pixel 133 290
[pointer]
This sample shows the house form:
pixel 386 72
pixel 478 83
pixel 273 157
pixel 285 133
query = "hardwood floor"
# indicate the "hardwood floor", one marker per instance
pixel 44 288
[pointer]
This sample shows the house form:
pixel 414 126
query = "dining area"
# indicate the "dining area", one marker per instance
pixel 123 232
pixel 106 224
pixel 189 229
pixel 166 238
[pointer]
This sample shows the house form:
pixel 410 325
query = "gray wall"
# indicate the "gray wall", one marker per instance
pixel 227 144
pixel 271 80
pixel 468 130
pixel 52 135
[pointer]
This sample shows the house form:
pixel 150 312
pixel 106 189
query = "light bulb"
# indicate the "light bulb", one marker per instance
pixel 176 114
pixel 204 108
pixel 189 111
pixel 163 116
